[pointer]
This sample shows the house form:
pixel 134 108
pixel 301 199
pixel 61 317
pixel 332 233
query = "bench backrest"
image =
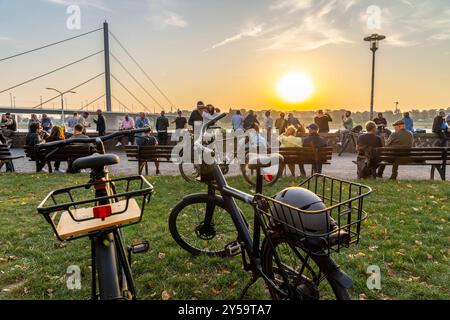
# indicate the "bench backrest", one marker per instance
pixel 306 155
pixel 4 150
pixel 71 152
pixel 149 153
pixel 413 154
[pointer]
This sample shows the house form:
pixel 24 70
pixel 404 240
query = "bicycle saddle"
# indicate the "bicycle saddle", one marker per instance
pixel 95 161
pixel 260 161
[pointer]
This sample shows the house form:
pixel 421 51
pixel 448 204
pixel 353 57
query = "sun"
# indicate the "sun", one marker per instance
pixel 295 87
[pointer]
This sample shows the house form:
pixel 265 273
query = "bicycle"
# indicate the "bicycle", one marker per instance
pixel 213 224
pixel 73 215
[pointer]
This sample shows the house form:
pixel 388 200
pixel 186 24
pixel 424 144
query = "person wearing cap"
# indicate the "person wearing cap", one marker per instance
pixel 197 115
pixel 314 140
pixel 400 139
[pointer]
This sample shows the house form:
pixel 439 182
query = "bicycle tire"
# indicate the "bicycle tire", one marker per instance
pixel 308 288
pixel 182 241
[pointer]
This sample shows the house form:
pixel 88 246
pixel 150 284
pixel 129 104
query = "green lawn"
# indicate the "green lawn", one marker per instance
pixel 407 235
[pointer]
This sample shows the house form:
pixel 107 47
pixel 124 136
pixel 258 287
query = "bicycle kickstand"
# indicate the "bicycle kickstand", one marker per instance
pixel 247 286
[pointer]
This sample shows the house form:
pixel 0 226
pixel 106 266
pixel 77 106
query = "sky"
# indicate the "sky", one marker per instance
pixel 231 53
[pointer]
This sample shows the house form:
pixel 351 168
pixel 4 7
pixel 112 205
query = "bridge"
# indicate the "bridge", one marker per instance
pixel 145 100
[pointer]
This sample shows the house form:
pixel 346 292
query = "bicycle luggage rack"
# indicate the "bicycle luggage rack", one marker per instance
pixel 71 211
pixel 343 215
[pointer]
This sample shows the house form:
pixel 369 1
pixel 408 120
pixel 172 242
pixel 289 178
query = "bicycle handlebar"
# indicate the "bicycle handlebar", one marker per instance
pixel 62 143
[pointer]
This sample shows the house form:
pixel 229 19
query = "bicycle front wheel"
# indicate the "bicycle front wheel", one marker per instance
pixel 200 224
pixel 305 279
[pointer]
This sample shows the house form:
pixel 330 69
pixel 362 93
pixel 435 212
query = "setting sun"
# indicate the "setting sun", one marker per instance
pixel 295 87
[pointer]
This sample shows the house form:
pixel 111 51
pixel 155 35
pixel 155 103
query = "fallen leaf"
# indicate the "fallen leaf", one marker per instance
pixel 362 296
pixel 165 295
pixel 161 255
pixel 215 292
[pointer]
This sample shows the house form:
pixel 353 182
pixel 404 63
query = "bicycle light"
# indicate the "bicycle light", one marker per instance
pixel 102 212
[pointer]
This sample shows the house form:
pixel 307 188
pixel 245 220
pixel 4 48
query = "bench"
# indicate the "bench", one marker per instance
pixel 145 154
pixel 437 158
pixel 66 154
pixel 6 158
pixel 302 156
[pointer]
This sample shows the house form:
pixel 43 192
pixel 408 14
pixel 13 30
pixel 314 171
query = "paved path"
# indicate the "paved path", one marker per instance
pixel 341 167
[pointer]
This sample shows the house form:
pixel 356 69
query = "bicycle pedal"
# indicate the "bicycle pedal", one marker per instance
pixel 233 249
pixel 139 247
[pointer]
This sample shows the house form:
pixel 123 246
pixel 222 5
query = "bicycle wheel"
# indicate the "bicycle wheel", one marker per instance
pixel 190 172
pixel 250 176
pixel 189 226
pixel 305 279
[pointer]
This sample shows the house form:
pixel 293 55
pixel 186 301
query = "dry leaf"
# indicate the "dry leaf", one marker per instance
pixel 161 255
pixel 165 295
pixel 362 296
pixel 215 292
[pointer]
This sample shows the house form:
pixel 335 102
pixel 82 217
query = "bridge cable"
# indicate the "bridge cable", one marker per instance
pixel 50 72
pixel 49 45
pixel 92 102
pixel 131 94
pixel 134 78
pixel 139 66
pixel 76 87
pixel 121 104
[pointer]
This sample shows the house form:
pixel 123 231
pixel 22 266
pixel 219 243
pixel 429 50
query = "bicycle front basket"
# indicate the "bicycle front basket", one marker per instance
pixel 342 214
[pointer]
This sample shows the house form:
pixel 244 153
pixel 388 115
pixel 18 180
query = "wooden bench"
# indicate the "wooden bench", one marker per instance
pixel 437 158
pixel 66 154
pixel 6 158
pixel 302 156
pixel 145 154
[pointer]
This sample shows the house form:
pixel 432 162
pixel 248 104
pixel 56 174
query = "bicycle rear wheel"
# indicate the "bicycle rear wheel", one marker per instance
pixel 200 224
pixel 306 280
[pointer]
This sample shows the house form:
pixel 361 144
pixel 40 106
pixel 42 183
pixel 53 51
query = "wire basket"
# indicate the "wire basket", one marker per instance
pixel 321 231
pixel 75 212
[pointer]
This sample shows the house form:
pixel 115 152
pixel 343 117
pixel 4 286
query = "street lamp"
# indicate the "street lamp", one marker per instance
pixel 62 102
pixel 374 40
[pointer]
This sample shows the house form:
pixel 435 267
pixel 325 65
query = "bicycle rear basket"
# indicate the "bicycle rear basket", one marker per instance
pixel 75 212
pixel 342 215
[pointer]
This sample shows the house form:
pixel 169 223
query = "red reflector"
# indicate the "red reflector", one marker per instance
pixel 268 177
pixel 102 212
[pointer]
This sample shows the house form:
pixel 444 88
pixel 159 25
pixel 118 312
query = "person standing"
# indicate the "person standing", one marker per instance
pixel 322 120
pixel 142 121
pixel 72 122
pixel 250 121
pixel 237 121
pixel 127 124
pixel 347 123
pixel 46 123
pixel 314 140
pixel 268 125
pixel 400 139
pixel 101 123
pixel 180 126
pixel 83 121
pixel 196 117
pixel 281 124
pixel 409 122
pixel 162 123
pixel 366 148
pixel 440 129
pixel 293 121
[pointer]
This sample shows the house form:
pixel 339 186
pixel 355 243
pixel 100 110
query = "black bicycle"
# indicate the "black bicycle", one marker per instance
pixel 292 259
pixel 99 210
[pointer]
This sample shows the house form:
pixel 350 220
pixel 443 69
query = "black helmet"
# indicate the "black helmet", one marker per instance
pixel 318 221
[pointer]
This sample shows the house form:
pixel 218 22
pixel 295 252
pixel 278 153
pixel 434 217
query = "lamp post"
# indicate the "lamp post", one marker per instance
pixel 62 102
pixel 374 40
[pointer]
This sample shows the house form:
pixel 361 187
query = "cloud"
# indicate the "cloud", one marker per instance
pixel 253 31
pixel 291 5
pixel 164 14
pixel 97 4
pixel 3 38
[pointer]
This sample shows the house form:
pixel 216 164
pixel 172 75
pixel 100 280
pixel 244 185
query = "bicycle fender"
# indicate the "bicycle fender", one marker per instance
pixel 333 271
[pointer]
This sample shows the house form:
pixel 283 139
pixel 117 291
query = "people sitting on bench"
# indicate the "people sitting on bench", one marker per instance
pixel 381 123
pixel 440 129
pixel 314 140
pixel 146 139
pixel 290 140
pixel 401 138
pixel 8 127
pixel 366 147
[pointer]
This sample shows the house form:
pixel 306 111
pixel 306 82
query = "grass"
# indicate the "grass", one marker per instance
pixel 407 235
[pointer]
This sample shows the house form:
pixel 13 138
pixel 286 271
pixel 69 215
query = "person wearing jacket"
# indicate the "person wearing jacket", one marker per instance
pixel 101 123
pixel 440 129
